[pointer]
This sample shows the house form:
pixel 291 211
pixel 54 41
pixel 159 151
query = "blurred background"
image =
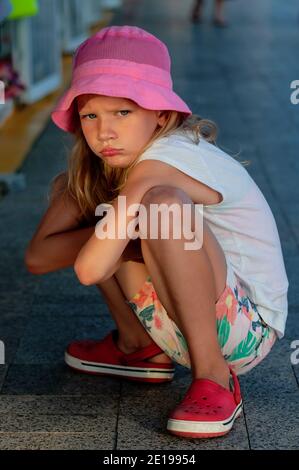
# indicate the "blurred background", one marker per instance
pixel 37 39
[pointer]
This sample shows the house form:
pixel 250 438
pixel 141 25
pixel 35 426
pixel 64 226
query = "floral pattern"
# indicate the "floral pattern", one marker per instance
pixel 245 339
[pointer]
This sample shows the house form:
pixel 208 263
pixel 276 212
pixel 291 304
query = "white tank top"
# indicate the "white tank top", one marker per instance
pixel 242 222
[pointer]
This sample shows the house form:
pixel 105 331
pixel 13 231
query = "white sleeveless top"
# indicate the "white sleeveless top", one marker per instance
pixel 242 222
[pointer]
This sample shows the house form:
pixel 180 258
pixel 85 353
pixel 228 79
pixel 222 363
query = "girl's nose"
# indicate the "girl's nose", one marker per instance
pixel 105 132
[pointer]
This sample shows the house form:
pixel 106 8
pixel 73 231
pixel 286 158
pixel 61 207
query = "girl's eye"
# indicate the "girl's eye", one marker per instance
pixel 91 116
pixel 125 111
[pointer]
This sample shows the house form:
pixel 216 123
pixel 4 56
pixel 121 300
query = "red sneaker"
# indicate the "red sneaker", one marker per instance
pixel 104 358
pixel 207 410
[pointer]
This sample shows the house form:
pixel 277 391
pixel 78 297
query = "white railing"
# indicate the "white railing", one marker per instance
pixel 37 53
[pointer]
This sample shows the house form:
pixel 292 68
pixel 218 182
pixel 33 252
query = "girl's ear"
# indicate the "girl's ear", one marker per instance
pixel 161 116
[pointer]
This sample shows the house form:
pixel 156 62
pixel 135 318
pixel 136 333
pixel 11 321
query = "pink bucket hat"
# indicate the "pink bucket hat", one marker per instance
pixel 121 61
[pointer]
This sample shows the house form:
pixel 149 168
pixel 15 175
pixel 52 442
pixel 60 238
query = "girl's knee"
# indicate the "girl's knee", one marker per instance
pixel 164 194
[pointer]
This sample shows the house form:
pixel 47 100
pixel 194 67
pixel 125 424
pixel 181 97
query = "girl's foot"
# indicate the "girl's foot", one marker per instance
pixel 220 375
pixel 207 410
pixel 160 358
pixel 104 357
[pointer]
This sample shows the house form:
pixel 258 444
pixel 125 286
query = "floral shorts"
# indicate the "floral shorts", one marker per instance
pixel 245 339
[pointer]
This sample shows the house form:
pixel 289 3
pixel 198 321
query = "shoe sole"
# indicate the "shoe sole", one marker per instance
pixel 202 429
pixel 130 373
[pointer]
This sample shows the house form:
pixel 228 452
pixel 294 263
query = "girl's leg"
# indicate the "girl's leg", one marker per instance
pixel 197 10
pixel 132 335
pixel 188 284
pixel 219 12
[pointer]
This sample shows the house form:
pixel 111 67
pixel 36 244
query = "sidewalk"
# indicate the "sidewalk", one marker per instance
pixel 239 77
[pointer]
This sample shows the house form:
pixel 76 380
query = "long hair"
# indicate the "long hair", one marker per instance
pixel 91 181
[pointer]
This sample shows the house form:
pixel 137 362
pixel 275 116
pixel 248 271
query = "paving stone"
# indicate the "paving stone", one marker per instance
pixel 270 392
pixel 87 405
pixel 293 277
pixel 296 366
pixel 65 286
pixel 57 423
pixel 46 337
pixel 3 370
pixel 71 307
pixel 91 297
pixel 15 306
pixel 292 211
pixel 292 326
pixel 102 439
pixel 143 418
pixel 58 379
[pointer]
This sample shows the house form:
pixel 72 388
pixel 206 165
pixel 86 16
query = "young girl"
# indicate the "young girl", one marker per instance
pixel 217 306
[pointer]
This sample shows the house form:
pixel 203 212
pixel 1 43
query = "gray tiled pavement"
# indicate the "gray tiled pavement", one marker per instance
pixel 240 77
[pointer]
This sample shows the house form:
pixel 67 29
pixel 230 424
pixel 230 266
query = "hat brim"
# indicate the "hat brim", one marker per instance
pixel 146 94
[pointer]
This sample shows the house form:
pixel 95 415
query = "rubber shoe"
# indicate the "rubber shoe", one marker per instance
pixel 207 410
pixel 104 358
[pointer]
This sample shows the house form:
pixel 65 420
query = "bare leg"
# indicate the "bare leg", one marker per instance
pixel 188 284
pixel 219 12
pixel 132 335
pixel 196 14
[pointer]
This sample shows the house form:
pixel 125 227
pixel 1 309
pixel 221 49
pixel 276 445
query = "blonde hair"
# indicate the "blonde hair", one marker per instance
pixel 90 181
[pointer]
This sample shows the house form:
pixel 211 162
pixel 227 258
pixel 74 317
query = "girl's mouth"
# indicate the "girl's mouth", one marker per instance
pixel 110 152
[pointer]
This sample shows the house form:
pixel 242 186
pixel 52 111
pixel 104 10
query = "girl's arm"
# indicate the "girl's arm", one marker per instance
pixel 99 257
pixel 59 235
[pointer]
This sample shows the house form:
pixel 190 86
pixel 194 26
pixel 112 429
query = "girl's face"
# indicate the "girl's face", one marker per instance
pixel 116 123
